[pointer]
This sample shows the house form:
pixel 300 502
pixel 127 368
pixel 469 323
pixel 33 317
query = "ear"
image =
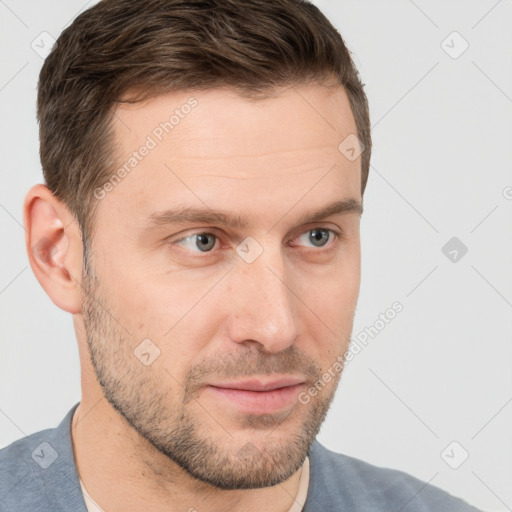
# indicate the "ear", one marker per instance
pixel 54 245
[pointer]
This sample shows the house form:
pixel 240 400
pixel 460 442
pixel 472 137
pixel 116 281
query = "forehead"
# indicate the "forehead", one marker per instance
pixel 219 122
pixel 214 146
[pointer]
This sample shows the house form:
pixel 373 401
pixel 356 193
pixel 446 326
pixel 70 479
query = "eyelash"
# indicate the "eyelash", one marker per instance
pixel 336 237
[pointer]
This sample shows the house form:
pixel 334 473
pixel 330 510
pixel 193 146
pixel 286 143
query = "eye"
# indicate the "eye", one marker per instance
pixel 198 242
pixel 318 237
pixel 205 242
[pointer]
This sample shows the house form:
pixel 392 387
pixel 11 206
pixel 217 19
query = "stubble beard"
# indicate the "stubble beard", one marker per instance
pixel 223 460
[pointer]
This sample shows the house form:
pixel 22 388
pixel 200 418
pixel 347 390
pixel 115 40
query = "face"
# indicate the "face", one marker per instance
pixel 223 276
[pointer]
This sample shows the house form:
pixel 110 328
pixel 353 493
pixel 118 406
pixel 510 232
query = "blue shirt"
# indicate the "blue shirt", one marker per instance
pixel 38 474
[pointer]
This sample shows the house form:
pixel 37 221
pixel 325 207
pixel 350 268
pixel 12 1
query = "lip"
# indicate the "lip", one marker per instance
pixel 258 396
pixel 261 384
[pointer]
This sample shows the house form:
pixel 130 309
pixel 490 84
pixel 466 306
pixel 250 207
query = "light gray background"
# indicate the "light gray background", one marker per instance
pixel 442 131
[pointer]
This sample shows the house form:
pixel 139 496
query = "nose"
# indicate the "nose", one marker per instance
pixel 263 306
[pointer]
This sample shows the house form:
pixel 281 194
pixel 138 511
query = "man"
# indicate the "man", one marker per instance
pixel 205 164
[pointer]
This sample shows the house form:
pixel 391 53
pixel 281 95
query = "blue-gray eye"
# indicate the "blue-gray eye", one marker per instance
pixel 318 237
pixel 204 242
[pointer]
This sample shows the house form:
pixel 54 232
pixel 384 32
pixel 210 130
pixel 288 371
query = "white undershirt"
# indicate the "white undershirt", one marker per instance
pixel 297 506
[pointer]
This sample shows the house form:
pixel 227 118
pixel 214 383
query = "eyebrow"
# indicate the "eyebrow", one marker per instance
pixel 235 221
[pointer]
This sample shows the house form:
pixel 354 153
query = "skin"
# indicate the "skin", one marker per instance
pixel 156 435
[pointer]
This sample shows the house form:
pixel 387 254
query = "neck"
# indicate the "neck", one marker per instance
pixel 124 472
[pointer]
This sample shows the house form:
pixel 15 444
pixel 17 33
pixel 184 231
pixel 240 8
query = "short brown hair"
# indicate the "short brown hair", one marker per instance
pixel 160 46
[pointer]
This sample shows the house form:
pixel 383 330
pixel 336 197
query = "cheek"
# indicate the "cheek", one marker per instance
pixel 176 317
pixel 330 301
pixel 160 311
pixel 346 287
pixel 149 302
pixel 332 292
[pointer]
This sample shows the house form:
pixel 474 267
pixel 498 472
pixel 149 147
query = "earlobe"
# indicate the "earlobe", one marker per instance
pixel 54 247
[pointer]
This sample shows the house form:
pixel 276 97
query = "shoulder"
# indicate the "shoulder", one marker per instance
pixel 37 472
pixel 337 479
pixel 19 482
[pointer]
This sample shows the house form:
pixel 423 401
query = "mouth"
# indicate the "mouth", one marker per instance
pixel 258 396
